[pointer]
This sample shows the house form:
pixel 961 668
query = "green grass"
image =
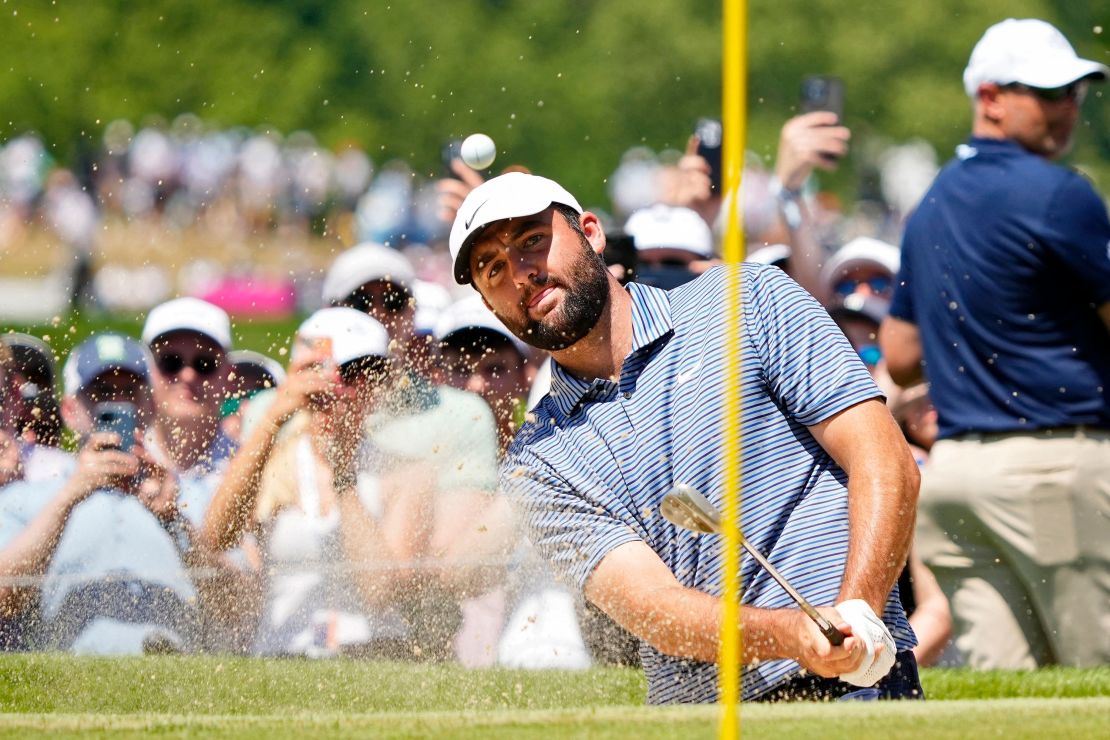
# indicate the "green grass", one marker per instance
pixel 63 696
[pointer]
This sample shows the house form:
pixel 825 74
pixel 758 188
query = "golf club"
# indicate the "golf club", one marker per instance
pixel 686 507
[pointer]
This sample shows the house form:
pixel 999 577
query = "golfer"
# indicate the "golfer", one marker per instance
pixel 635 407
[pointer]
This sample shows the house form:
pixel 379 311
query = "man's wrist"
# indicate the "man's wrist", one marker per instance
pixel 789 201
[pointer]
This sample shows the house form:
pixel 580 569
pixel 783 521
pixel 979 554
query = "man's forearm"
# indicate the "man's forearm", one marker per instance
pixel 233 503
pixel 686 623
pixel 882 505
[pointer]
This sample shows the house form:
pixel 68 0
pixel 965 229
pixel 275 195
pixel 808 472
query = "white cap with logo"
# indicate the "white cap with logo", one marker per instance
pixel 352 334
pixel 188 314
pixel 1028 51
pixel 511 195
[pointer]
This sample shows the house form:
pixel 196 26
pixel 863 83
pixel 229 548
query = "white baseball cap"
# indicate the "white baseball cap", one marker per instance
pixel 772 254
pixel 860 251
pixel 1028 51
pixel 511 195
pixel 472 313
pixel 188 314
pixel 352 334
pixel 365 263
pixel 667 227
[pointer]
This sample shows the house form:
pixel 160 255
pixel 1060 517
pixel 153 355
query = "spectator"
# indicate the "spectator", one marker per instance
pixel 673 245
pixel 427 435
pixel 480 355
pixel 189 340
pixel 38 421
pixel 301 485
pixel 1003 303
pixel 864 267
pixel 251 373
pixel 108 543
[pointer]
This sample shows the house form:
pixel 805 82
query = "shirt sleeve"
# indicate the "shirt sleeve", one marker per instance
pixel 1079 235
pixel 570 530
pixel 811 370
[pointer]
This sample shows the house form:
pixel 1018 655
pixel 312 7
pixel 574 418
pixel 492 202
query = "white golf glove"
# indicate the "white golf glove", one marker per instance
pixel 868 627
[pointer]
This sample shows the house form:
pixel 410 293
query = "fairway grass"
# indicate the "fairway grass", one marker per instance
pixel 66 696
pixel 1012 719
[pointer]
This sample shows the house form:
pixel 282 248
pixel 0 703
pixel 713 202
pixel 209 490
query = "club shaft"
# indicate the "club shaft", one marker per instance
pixel 835 636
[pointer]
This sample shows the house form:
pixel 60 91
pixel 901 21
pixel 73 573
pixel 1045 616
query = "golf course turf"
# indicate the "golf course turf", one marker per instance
pixel 62 696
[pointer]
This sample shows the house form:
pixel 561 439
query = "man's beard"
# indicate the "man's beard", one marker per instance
pixel 582 306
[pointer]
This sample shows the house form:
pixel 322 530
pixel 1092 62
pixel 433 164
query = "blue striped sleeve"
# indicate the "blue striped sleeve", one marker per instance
pixel 571 530
pixel 808 363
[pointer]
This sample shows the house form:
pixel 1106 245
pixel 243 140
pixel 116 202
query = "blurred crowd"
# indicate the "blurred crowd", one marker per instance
pixel 187 183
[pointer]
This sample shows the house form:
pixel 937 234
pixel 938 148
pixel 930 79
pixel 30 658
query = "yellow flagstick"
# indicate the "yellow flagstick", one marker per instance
pixel 734 108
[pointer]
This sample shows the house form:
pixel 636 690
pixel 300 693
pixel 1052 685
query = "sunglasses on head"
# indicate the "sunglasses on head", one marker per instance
pixel 171 363
pixel 1076 91
pixel 877 284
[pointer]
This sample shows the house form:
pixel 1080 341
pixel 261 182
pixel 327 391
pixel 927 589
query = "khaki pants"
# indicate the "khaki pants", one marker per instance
pixel 1016 528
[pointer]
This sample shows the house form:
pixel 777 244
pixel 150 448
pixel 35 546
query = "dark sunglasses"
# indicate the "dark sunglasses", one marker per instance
pixel 878 284
pixel 1076 91
pixel 393 300
pixel 364 368
pixel 172 363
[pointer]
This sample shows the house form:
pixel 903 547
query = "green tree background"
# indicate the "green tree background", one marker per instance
pixel 564 86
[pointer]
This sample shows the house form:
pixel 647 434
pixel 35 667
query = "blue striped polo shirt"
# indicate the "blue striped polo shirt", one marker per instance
pixel 591 467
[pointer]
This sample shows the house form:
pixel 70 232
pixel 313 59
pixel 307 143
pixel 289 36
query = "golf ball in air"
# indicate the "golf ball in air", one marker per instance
pixel 478 151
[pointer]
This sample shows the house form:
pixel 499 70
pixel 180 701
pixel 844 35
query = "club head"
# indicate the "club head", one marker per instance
pixel 685 507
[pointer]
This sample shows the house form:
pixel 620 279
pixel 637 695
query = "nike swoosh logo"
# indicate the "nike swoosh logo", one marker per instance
pixel 685 375
pixel 474 213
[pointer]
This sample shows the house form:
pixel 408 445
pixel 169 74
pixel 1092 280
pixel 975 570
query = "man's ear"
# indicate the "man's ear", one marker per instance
pixel 989 103
pixel 591 227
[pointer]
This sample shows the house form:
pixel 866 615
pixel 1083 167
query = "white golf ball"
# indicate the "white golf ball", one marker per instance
pixel 478 151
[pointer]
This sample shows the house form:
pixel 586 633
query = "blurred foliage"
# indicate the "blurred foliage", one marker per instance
pixel 564 86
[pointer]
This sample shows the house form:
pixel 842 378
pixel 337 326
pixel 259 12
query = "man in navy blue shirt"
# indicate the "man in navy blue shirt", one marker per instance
pixel 636 406
pixel 1003 303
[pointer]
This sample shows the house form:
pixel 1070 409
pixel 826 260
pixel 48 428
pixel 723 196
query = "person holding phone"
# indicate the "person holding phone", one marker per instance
pixel 107 540
pixel 300 486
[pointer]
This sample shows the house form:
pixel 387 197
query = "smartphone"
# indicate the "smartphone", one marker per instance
pixel 822 92
pixel 121 418
pixel 451 151
pixel 710 137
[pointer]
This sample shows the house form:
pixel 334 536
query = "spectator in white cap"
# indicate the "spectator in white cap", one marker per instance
pixel 189 340
pixel 1002 303
pixel 673 245
pixel 428 436
pixel 478 354
pixel 378 281
pixel 300 485
pixel 864 266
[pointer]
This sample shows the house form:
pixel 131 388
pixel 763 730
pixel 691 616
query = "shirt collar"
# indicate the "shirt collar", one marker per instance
pixel 651 320
pixel 982 144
